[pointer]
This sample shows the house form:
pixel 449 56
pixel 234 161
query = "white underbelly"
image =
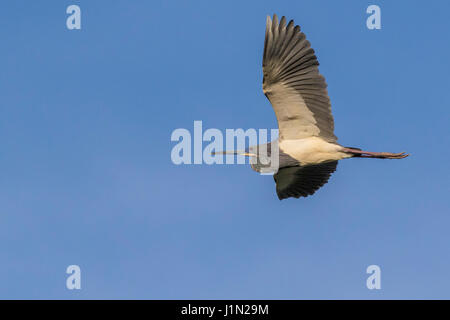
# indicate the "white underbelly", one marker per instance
pixel 312 150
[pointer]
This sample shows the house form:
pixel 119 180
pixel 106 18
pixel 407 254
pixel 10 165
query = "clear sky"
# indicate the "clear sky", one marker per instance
pixel 87 179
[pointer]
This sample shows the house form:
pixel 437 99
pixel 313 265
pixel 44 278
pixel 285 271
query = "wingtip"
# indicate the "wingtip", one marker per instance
pixel 275 19
pixel 283 22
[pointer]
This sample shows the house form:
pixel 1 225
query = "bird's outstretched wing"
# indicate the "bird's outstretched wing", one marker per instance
pixel 293 84
pixel 302 181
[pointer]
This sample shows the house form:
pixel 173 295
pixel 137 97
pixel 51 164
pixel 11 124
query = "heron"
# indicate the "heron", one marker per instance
pixel 308 152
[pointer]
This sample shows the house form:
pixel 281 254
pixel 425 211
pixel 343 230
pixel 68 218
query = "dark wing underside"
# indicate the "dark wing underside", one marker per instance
pixel 293 84
pixel 303 181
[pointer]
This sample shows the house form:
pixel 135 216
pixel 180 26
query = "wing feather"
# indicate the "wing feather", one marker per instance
pixel 302 181
pixel 293 84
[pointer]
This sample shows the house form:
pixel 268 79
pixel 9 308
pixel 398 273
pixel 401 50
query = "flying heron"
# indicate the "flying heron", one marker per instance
pixel 308 151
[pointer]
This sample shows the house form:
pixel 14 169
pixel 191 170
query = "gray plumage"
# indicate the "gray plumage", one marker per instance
pixel 298 94
pixel 293 84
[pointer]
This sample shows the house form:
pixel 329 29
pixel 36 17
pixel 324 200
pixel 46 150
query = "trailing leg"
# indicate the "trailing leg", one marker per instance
pixel 379 155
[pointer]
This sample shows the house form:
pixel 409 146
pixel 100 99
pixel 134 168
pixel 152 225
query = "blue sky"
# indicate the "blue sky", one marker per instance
pixel 85 123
